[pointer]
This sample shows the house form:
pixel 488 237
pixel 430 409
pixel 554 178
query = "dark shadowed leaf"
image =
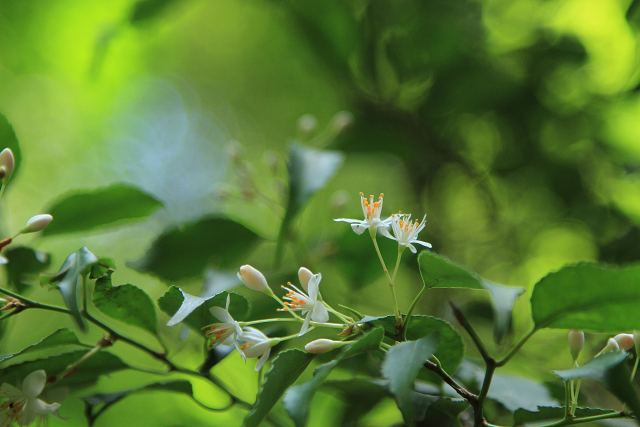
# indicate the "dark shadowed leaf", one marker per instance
pixel 145 10
pixel 23 264
pixel 9 140
pixel 588 297
pixel 89 209
pixel 285 370
pixel 185 252
pixel 298 398
pixel 60 337
pixel 401 366
pixel 360 395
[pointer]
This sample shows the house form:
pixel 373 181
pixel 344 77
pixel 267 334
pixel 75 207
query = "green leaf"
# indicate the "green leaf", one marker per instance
pixel 185 252
pixel 194 311
pixel 401 366
pixel 450 353
pixel 298 398
pixel 515 392
pixel 359 395
pixel 610 369
pixel 62 336
pixel 503 300
pixel 100 363
pixel 24 262
pixel 145 10
pixel 285 370
pixel 91 209
pixel 588 297
pixel 77 264
pixel 9 140
pixel 309 170
pixel 126 303
pixel 543 413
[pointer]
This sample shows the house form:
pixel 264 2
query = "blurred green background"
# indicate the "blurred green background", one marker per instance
pixel 513 124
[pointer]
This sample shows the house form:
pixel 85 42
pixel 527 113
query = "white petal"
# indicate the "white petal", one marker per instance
pixel 359 228
pixel 413 248
pixel 304 274
pixel 10 391
pixel 228 301
pixel 263 360
pixel 350 221
pixel 386 233
pixel 305 325
pixel 420 242
pixel 40 407
pixel 244 357
pixel 221 314
pixel 314 284
pixel 34 383
pixel 319 313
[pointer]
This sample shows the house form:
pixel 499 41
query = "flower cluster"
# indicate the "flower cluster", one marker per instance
pixel 21 404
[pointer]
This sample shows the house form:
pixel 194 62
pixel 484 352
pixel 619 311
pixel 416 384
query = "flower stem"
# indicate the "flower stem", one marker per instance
pixel 297 319
pixel 384 266
pixel 515 348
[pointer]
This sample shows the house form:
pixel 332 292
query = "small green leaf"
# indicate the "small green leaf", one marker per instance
pixel 504 300
pixel 91 209
pixel 185 252
pixel 401 366
pixel 450 353
pixel 126 303
pixel 359 395
pixel 610 369
pixel 544 413
pixel 438 271
pixel 194 311
pixel 285 370
pixel 100 363
pixel 66 279
pixel 62 336
pixel 23 263
pixel 309 170
pixel 297 399
pixel 588 297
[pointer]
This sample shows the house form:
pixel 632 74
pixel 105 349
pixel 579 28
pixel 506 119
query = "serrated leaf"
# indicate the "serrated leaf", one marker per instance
pixel 285 370
pixel 91 209
pixel 401 366
pixel 100 363
pixel 126 303
pixel 503 300
pixel 298 398
pixel 588 297
pixel 543 413
pixel 611 370
pixel 77 264
pixel 62 336
pixel 309 170
pixel 450 353
pixel 194 311
pixel 185 252
pixel 24 262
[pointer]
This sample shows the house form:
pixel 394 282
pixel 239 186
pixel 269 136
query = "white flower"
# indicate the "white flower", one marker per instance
pixel 252 278
pixel 323 345
pixel 305 275
pixel 612 345
pixel 21 404
pixel 625 341
pixel 299 301
pixel 228 332
pixel 372 219
pixel 37 223
pixel 257 344
pixel 405 231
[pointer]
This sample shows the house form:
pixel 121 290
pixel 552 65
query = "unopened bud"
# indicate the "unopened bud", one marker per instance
pixel 7 163
pixel 272 160
pixel 341 122
pixel 307 123
pixel 304 274
pixel 612 345
pixel 252 278
pixel 625 341
pixel 323 345
pixel 235 150
pixel 37 223
pixel 576 343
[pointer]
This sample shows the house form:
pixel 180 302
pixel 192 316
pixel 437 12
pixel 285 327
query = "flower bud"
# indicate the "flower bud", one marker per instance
pixel 307 123
pixel 576 342
pixel 235 151
pixel 304 274
pixel 323 345
pixel 37 223
pixel 341 122
pixel 612 345
pixel 252 278
pixel 7 163
pixel 625 341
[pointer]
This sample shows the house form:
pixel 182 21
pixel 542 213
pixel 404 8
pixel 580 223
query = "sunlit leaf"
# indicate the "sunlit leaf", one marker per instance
pixel 90 209
pixel 298 398
pixel 588 297
pixel 309 170
pixel 126 303
pixel 62 336
pixel 194 311
pixel 611 370
pixel 401 366
pixel 23 263
pixel 67 278
pixel 185 252
pixel 543 413
pixel 285 370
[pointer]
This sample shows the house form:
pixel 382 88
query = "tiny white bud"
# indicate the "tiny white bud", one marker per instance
pixel 307 123
pixel 612 345
pixel 625 341
pixel 304 274
pixel 323 345
pixel 7 163
pixel 235 150
pixel 252 278
pixel 37 223
pixel 341 122
pixel 272 160
pixel 576 343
